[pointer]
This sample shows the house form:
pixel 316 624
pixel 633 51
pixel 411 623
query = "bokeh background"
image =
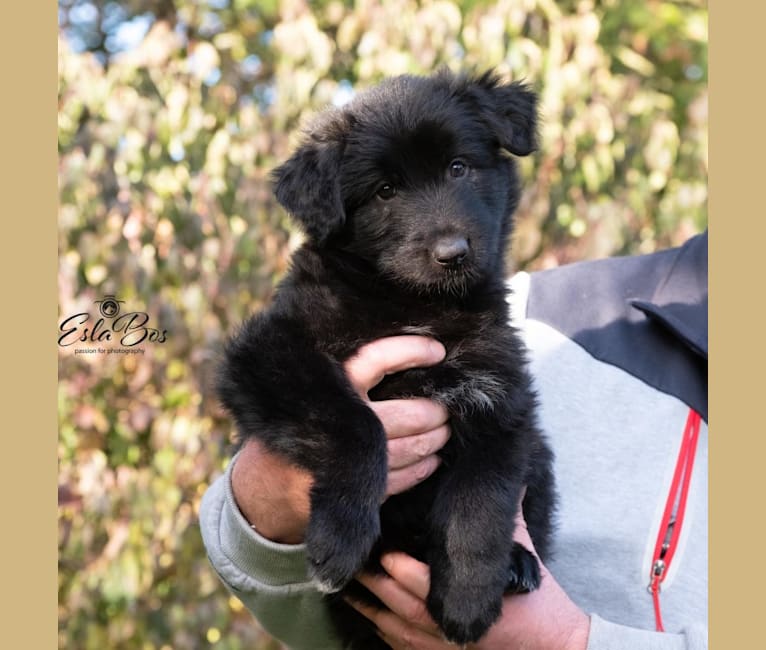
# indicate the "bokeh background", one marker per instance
pixel 172 113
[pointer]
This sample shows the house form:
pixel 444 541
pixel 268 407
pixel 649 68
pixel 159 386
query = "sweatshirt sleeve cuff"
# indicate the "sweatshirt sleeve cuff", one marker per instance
pixel 244 559
pixel 605 635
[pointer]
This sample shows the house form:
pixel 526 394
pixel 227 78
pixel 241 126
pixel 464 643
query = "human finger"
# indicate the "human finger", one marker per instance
pixel 388 355
pixel 397 632
pixel 413 575
pixel 401 480
pixel 400 601
pixel 520 529
pixel 403 452
pixel 407 417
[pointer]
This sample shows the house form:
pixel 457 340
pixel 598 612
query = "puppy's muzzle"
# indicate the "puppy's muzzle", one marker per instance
pixel 451 251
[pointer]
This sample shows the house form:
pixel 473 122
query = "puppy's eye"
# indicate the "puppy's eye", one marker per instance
pixel 386 191
pixel 457 168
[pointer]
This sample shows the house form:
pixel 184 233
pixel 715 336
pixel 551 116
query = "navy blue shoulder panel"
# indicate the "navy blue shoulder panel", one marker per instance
pixel 646 315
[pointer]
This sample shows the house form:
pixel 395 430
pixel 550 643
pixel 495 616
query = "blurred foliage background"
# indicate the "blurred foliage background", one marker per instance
pixel 172 113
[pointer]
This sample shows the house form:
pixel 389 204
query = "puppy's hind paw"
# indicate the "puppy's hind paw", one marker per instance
pixel 524 573
pixel 464 616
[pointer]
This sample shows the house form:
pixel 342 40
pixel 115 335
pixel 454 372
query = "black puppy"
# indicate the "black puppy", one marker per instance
pixel 406 196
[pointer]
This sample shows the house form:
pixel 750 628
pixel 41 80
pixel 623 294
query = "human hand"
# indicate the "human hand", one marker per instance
pixel 416 428
pixel 273 495
pixel 544 619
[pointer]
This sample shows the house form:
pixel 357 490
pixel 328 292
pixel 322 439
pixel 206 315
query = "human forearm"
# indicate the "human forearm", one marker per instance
pixel 271 494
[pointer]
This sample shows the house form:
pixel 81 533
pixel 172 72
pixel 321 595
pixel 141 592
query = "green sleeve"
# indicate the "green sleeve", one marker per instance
pixel 269 578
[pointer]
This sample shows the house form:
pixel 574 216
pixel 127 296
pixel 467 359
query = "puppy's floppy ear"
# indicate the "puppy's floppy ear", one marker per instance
pixel 511 111
pixel 308 187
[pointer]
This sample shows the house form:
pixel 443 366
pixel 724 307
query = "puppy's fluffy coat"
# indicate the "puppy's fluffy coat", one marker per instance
pixel 406 196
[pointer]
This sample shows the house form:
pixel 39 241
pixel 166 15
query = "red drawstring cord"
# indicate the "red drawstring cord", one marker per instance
pixel 670 527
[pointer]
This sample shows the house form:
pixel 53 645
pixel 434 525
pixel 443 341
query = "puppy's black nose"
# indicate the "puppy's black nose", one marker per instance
pixel 450 251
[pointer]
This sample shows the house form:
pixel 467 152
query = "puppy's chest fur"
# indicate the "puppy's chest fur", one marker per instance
pixel 343 308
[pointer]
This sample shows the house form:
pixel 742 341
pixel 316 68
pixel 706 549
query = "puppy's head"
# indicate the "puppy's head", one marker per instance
pixel 414 176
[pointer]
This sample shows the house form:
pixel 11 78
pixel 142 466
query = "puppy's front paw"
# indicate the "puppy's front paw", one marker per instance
pixel 524 571
pixel 337 544
pixel 464 615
